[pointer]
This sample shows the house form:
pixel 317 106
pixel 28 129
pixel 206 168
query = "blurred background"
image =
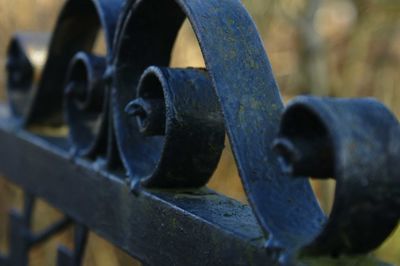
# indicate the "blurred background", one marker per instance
pixel 344 48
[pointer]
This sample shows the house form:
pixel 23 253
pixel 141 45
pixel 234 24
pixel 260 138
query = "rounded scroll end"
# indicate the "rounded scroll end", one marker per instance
pixel 85 103
pixel 356 142
pixel 150 115
pixel 303 144
pixel 179 128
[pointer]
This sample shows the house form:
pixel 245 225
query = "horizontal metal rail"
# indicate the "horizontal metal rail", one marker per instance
pixel 156 226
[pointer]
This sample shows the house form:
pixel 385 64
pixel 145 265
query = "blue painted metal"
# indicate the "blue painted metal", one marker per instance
pixel 86 104
pixel 249 97
pixel 76 30
pixel 128 111
pixel 179 109
pixel 353 141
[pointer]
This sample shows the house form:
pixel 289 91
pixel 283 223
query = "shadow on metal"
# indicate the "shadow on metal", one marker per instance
pixel 356 142
pixel 128 112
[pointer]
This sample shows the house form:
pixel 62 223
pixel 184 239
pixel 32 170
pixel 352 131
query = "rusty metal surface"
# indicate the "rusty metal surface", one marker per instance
pixel 137 125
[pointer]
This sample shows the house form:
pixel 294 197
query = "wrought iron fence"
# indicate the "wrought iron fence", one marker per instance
pixel 144 139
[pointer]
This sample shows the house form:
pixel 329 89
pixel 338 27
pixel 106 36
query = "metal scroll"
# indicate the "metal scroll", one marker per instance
pixel 86 104
pixel 248 94
pixel 168 125
pixel 78 27
pixel 354 141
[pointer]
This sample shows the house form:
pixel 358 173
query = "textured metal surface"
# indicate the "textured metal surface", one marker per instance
pixel 86 104
pixel 138 125
pixel 160 227
pixel 249 97
pixel 354 141
pixel 178 112
pixel 76 30
pixel 22 238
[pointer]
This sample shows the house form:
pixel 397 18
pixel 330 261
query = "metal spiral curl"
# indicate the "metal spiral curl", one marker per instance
pixel 180 131
pixel 86 104
pixel 41 102
pixel 248 95
pixel 76 30
pixel 354 141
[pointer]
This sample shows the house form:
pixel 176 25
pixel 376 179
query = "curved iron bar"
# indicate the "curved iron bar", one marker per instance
pixel 250 101
pixel 179 108
pixel 170 146
pixel 354 141
pixel 86 104
pixel 76 30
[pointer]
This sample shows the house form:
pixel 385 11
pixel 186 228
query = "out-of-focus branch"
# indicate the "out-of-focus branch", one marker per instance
pixel 312 53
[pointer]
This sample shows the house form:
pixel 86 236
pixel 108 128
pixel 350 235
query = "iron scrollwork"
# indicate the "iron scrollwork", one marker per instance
pixel 167 125
pixel 246 89
pixel 86 104
pixel 353 141
pixel 179 109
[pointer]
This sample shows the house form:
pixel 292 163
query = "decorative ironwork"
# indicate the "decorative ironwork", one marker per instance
pixel 22 239
pixel 354 142
pixel 128 111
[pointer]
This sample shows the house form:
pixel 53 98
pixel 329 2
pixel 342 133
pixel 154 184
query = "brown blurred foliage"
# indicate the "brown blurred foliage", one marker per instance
pixel 346 48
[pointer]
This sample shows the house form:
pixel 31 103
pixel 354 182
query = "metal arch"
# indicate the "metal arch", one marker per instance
pixel 76 30
pixel 354 141
pixel 242 76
